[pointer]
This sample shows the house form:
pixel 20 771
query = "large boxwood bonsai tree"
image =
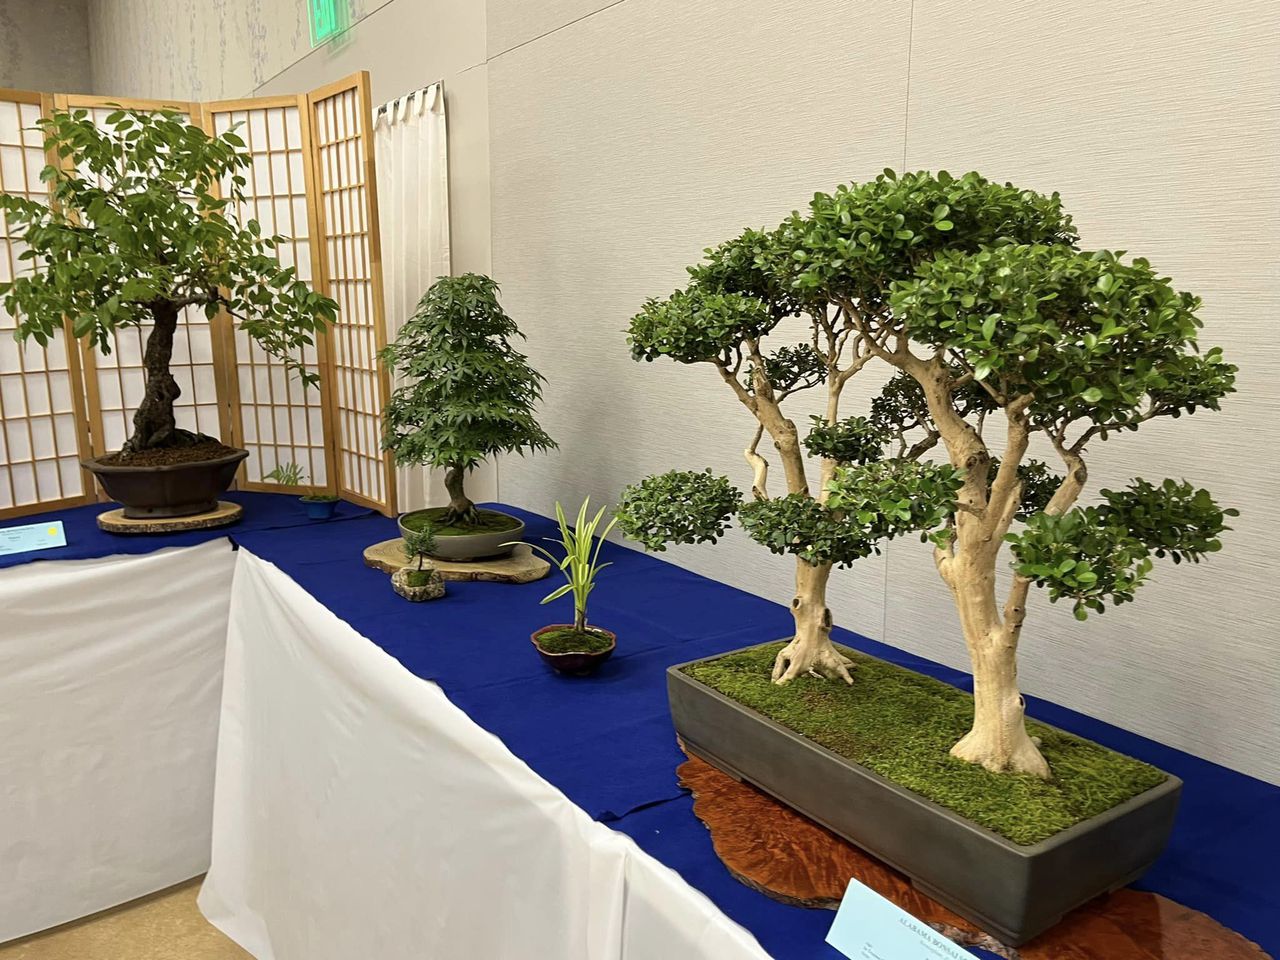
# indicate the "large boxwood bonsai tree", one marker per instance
pixel 740 295
pixel 978 294
pixel 466 394
pixel 140 227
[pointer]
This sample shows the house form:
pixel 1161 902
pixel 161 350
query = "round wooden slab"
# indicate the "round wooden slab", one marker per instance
pixel 773 849
pixel 521 567
pixel 114 521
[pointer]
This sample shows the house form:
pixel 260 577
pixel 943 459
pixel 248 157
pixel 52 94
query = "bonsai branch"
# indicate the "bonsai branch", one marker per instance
pixel 759 466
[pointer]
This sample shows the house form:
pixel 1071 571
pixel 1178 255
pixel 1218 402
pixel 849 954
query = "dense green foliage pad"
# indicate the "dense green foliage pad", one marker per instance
pixel 680 506
pixel 901 724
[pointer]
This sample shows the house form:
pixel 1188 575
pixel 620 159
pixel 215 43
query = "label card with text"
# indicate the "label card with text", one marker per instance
pixel 32 536
pixel 869 927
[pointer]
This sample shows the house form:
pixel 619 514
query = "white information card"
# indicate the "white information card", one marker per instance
pixel 869 927
pixel 32 536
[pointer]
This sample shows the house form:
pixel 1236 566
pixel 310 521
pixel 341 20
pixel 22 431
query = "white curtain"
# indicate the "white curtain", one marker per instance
pixel 413 205
pixel 358 813
pixel 110 684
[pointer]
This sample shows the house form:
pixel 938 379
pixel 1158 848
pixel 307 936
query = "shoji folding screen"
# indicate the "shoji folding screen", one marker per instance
pixel 43 431
pixel 310 182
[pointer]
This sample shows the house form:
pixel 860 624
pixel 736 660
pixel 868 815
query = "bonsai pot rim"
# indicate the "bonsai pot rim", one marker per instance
pixel 576 663
pixel 97 466
pixel 966 840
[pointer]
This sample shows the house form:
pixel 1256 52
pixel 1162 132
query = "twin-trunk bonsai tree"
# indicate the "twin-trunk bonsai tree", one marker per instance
pixel 998 325
pixel 466 394
pixel 141 225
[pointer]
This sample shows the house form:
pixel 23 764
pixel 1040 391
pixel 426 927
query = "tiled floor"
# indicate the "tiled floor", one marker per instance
pixel 165 926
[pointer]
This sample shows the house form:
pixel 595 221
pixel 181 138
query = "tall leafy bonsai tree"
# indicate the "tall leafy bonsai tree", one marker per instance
pixel 467 393
pixel 140 227
pixel 740 295
pixel 1071 347
pixel 978 295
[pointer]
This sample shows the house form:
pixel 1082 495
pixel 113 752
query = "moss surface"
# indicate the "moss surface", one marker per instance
pixel 491 521
pixel 418 578
pixel 902 725
pixel 569 640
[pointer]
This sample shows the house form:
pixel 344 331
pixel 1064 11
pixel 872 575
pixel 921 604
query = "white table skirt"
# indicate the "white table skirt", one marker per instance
pixel 358 813
pixel 110 677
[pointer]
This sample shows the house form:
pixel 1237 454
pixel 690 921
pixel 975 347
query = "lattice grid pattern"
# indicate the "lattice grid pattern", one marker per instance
pixel 352 275
pixel 41 423
pixel 116 380
pixel 275 416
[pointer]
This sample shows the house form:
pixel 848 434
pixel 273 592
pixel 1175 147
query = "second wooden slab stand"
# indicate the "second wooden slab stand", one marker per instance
pixel 521 567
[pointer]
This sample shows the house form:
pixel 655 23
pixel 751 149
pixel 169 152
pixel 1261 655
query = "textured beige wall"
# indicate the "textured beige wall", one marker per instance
pixel 44 45
pixel 625 140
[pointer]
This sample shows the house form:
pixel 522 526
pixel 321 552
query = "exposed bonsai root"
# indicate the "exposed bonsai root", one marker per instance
pixel 1003 750
pixel 817 657
pixel 466 516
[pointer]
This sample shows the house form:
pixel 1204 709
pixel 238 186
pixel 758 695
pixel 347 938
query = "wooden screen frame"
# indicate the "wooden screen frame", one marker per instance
pixel 75 373
pixel 226 328
pixel 358 84
pixel 82 362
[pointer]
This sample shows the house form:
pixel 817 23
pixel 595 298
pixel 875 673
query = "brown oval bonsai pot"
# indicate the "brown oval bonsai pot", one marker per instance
pixel 168 490
pixel 575 663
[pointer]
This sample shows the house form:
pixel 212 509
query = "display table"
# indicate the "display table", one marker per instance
pixel 361 805
pixel 408 780
pixel 111 652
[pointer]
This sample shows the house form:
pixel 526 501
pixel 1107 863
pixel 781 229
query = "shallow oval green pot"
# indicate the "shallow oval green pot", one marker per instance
pixel 485 545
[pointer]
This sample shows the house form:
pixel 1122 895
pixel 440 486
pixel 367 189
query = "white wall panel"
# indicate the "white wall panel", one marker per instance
pixel 621 146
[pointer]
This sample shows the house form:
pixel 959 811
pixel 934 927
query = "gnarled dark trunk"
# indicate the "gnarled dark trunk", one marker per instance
pixel 461 509
pixel 153 422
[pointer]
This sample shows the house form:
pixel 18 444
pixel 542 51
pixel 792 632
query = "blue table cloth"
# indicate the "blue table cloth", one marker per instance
pixel 262 511
pixel 607 741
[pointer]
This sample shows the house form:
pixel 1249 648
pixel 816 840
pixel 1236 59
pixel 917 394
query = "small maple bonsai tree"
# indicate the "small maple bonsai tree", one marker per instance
pixel 467 393
pixel 140 227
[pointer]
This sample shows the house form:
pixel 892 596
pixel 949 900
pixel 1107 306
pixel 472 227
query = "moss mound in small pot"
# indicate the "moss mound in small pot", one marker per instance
pixel 418 585
pixel 899 724
pixel 573 651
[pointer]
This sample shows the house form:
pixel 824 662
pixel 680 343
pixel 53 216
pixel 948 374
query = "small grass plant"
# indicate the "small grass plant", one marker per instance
pixel 580 565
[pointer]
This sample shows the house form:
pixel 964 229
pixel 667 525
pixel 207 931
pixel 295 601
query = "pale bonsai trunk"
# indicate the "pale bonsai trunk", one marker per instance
pixel 461 509
pixel 810 650
pixel 998 739
pixel 153 422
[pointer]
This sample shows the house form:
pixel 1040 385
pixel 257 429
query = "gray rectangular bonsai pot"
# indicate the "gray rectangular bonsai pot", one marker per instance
pixel 1009 890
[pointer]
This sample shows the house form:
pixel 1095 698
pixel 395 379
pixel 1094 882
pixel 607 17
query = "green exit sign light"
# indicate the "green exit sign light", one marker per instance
pixel 328 19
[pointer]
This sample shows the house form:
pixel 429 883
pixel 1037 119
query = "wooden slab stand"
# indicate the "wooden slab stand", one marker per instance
pixel 521 567
pixel 225 514
pixel 775 850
